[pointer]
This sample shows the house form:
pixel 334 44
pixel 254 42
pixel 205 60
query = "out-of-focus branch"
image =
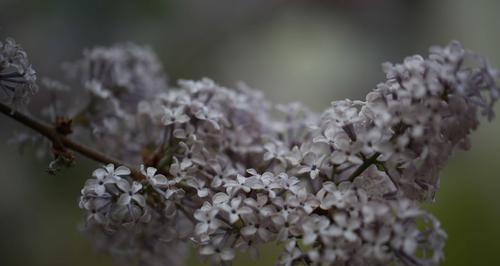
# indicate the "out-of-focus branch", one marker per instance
pixel 50 133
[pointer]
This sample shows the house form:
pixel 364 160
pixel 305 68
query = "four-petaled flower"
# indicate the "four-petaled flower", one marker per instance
pixel 130 192
pixel 176 116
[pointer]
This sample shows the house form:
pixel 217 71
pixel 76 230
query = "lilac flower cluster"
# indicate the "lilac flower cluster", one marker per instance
pixel 129 228
pixel 114 80
pixel 337 188
pixel 108 71
pixel 17 76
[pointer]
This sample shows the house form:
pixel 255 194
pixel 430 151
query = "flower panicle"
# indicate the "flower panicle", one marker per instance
pixel 228 171
pixel 336 187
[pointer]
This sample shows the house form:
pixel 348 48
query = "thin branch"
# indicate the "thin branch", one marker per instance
pixel 50 133
pixel 364 166
pixel 398 130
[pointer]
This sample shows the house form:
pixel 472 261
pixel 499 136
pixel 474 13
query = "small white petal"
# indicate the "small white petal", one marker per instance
pixel 124 199
pixel 227 254
pixel 122 170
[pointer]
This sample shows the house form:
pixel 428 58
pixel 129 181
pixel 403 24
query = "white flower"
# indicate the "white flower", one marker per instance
pixel 405 238
pixel 287 226
pixel 248 247
pixel 289 183
pixel 111 174
pixel 311 164
pixel 330 196
pixel 156 180
pixel 267 182
pixel 233 186
pixel 255 226
pixel 185 133
pixel 314 228
pixel 95 211
pixel 329 136
pixel 199 185
pixel 290 255
pixel 106 175
pixel 327 256
pixel 177 171
pixel 377 243
pixel 221 171
pixel 130 193
pixel 207 221
pixel 209 115
pixel 305 200
pixel 218 254
pixel 260 205
pixel 345 226
pixel 176 115
pixel 295 156
pixel 234 209
pixel 96 88
pixel 346 151
pixel 193 155
pixel 275 151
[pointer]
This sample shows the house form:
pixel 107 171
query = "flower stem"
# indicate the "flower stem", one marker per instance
pixel 364 166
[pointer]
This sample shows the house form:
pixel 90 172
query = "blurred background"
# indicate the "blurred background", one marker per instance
pixel 309 51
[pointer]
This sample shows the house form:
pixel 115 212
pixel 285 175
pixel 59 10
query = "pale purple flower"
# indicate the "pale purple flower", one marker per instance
pixel 377 243
pixel 305 200
pixel 288 226
pixel 233 186
pixel 193 155
pixel 327 256
pixel 177 171
pixel 221 171
pixel 156 180
pixel 207 221
pixel 256 227
pixel 105 175
pixel 345 151
pixel 111 174
pixel 175 116
pixel 95 211
pixel 217 254
pixel 260 205
pixel 234 209
pixel 291 254
pixel 130 192
pixel 314 228
pixel 198 184
pixel 266 182
pixel 289 183
pixel 345 226
pixel 275 151
pixel 405 238
pixel 311 164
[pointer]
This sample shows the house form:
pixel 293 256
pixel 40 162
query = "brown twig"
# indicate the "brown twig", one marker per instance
pixel 51 134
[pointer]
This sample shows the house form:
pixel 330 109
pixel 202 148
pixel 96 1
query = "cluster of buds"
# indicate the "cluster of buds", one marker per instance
pixel 227 171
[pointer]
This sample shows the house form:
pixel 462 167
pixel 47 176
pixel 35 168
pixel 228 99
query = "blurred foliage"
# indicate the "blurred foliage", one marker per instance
pixel 311 51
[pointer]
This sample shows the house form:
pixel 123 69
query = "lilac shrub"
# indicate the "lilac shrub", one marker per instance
pixel 217 168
